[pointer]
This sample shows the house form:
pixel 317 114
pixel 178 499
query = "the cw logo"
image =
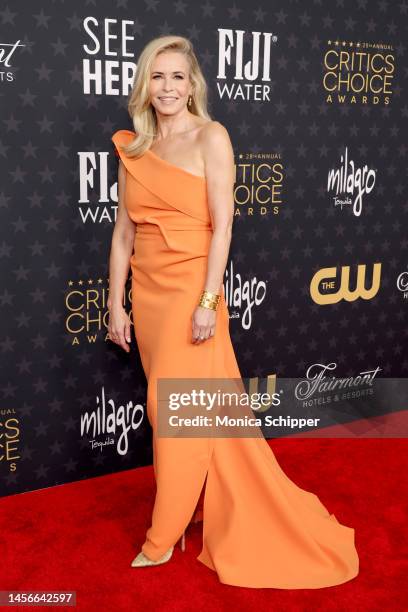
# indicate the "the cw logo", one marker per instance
pixel 332 297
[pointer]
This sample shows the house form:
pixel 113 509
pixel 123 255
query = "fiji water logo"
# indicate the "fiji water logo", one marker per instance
pixel 244 295
pixel 349 182
pixel 244 64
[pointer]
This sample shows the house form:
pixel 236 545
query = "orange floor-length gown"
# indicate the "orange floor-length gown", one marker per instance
pixel 259 528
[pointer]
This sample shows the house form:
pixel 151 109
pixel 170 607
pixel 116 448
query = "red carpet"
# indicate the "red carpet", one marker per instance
pixel 83 536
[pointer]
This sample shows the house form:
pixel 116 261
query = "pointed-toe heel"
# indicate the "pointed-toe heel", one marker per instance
pixel 142 561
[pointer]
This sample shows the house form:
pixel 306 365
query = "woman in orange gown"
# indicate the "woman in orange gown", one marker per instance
pixel 259 528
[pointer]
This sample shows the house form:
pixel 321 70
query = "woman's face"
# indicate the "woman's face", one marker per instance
pixel 170 84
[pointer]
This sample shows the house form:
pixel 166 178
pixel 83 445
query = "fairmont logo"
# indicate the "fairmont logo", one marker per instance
pixel 243 294
pixel 349 180
pixel 402 283
pixel 6 53
pixel 317 382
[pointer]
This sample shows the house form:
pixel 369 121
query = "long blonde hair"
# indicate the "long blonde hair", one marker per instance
pixel 142 113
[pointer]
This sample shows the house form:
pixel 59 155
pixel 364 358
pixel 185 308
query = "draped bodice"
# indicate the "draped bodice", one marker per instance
pixel 159 193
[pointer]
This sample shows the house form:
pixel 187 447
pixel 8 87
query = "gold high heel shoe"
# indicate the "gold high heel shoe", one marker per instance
pixel 142 561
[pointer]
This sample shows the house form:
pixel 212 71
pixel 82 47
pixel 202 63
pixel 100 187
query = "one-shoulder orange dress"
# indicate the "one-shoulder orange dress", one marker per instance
pixel 259 528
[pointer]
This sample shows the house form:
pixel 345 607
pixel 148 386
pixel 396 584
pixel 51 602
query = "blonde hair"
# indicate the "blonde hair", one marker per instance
pixel 142 113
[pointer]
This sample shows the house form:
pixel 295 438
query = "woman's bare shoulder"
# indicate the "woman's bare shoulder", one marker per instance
pixel 213 134
pixel 217 151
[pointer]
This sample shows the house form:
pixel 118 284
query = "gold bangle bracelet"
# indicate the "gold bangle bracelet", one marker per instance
pixel 208 304
pixel 205 299
pixel 210 296
pixel 209 300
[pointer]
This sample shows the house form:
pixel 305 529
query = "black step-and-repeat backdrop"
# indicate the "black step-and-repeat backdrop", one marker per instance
pixel 313 95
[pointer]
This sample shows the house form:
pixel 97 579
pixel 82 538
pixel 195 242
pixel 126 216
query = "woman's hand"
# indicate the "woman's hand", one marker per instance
pixel 203 324
pixel 119 327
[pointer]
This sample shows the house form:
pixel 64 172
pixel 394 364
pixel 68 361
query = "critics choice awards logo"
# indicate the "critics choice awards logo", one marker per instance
pixel 358 72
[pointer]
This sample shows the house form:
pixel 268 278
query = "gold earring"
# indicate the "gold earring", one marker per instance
pixel 189 100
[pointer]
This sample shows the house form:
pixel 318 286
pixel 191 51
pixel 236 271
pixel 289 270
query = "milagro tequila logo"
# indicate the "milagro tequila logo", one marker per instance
pixel 111 422
pixel 350 180
pixel 243 295
pixel 250 54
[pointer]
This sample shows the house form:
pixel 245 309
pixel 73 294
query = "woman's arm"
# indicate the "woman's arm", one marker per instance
pixel 119 262
pixel 220 174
